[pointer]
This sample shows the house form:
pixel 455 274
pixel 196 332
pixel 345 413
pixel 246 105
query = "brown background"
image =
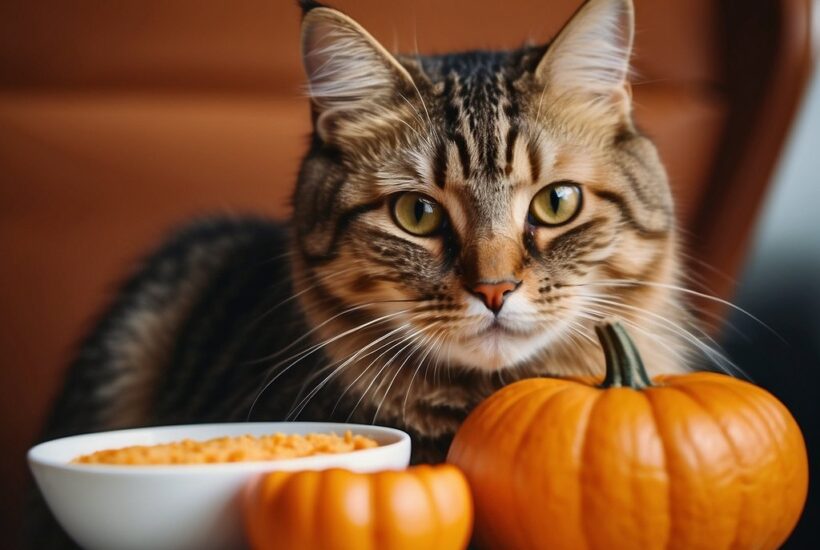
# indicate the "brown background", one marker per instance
pixel 120 119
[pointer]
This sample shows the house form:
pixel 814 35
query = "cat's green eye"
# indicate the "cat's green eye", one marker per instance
pixel 555 204
pixel 417 214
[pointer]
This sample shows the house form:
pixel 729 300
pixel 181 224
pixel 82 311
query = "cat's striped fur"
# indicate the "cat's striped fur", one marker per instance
pixel 341 314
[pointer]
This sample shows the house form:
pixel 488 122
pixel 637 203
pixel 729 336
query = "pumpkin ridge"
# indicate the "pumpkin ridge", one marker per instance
pixel 753 407
pixel 319 489
pixel 700 465
pixel 423 477
pixel 669 479
pixel 634 482
pixel 537 412
pixel 322 489
pixel 303 485
pixel 581 466
pixel 376 518
pixel 687 391
pixel 496 416
pixel 499 412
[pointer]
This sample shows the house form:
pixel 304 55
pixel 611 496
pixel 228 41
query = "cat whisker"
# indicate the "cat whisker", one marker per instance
pixel 697 281
pixel 424 138
pixel 423 104
pixel 417 346
pixel 418 134
pixel 578 335
pixel 390 344
pixel 301 355
pixel 393 345
pixel 580 331
pixel 678 288
pixel 300 293
pixel 601 300
pixel 340 367
pixel 684 356
pixel 598 316
pixel 575 332
pixel 718 321
pixel 439 336
pixel 326 322
pixel 718 358
pixel 500 373
pixel 276 258
pixel 708 266
pixel 386 364
pixel 414 343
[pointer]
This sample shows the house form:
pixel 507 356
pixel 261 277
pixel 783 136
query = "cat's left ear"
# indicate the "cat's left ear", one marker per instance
pixel 352 79
pixel 590 56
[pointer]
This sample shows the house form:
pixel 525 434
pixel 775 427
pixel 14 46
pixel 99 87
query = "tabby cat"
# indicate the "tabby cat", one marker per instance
pixel 460 221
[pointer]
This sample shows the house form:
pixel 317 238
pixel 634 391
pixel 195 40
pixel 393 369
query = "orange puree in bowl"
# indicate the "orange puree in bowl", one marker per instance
pixel 244 448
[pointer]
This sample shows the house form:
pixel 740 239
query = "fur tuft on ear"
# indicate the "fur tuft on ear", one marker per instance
pixel 591 53
pixel 351 77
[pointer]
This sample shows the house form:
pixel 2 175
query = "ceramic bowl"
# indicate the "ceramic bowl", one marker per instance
pixel 183 507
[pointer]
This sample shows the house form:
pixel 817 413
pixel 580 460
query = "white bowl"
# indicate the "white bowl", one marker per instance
pixel 194 507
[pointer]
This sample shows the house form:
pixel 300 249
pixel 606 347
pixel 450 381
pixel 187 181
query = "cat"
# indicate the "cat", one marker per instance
pixel 459 222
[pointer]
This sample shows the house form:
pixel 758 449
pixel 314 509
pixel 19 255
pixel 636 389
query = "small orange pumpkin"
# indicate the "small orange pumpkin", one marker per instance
pixel 695 461
pixel 423 507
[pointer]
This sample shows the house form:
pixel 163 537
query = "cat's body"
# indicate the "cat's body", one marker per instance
pixel 460 222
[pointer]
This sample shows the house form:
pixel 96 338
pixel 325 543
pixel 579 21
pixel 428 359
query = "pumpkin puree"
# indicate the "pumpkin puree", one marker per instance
pixel 244 448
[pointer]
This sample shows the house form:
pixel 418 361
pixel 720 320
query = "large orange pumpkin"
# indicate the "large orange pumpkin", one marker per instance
pixel 695 461
pixel 424 507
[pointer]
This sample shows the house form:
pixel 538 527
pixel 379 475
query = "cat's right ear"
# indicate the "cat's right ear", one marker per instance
pixel 352 79
pixel 589 59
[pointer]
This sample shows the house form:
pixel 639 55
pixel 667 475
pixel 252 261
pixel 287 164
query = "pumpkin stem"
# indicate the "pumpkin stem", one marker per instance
pixel 624 367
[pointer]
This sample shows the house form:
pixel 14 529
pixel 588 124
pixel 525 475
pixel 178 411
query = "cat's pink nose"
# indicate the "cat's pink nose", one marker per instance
pixel 494 294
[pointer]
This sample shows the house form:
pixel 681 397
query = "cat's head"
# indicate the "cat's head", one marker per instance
pixel 478 207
